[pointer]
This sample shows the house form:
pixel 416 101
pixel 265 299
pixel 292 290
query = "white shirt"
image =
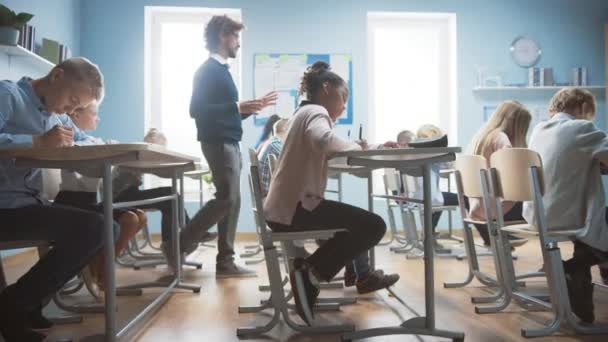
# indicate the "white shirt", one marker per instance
pixel 219 58
pixel 574 194
pixel 74 181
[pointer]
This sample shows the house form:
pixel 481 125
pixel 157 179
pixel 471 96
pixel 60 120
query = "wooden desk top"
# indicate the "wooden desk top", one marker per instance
pixel 137 155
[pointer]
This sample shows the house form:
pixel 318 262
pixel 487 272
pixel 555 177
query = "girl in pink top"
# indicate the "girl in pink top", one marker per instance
pixel 506 128
pixel 295 198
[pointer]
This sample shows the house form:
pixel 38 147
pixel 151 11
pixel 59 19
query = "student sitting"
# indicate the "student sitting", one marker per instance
pixel 440 198
pixel 353 270
pixel 126 185
pixel 80 191
pixel 273 147
pixel 28 118
pixel 572 149
pixel 295 198
pixel 266 133
pixel 404 138
pixel 506 128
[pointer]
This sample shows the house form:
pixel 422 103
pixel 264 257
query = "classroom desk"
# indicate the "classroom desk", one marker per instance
pixel 97 161
pixel 401 159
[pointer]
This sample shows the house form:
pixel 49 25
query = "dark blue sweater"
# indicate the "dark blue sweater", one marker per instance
pixel 214 104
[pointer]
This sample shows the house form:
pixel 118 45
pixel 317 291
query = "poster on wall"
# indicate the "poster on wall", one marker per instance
pixel 283 72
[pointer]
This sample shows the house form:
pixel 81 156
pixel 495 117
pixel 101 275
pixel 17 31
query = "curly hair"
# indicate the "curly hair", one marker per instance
pixel 316 76
pixel 217 26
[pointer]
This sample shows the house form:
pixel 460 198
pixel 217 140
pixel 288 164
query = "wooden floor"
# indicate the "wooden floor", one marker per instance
pixel 212 314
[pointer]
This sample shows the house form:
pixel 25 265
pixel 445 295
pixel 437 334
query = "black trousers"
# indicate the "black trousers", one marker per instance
pixel 76 235
pixel 515 214
pixel 363 231
pixel 449 198
pixel 585 256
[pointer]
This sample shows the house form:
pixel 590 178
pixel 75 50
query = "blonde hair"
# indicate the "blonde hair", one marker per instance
pixel 154 136
pixel 280 126
pixel 83 70
pixel 405 137
pixel 579 103
pixel 429 131
pixel 511 118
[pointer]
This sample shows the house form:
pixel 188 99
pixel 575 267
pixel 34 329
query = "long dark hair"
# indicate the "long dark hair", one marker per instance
pixel 267 131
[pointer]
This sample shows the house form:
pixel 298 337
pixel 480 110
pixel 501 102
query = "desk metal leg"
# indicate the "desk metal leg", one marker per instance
pixel 429 279
pixel 110 276
pixel 180 221
pixel 201 200
pixel 370 207
pixel 339 187
pixel 418 325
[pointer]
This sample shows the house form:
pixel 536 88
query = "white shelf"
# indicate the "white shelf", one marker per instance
pixel 527 88
pixel 26 56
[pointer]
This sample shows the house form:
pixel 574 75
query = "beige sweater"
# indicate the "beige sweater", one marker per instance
pixel 301 174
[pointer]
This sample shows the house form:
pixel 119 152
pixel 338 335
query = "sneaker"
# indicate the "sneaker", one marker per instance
pixel 232 270
pixel 37 321
pixel 375 281
pixel 580 291
pixel 14 321
pixel 604 274
pixel 305 293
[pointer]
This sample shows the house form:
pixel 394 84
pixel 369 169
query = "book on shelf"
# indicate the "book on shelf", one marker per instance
pixel 27 37
pixel 64 53
pixel 50 50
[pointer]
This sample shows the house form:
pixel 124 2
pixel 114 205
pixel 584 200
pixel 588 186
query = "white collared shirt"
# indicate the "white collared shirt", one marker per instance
pixel 219 58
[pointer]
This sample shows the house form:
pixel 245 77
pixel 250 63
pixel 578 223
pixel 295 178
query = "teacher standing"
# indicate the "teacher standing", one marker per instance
pixel 218 113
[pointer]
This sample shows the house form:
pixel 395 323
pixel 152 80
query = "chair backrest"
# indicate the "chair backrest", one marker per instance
pixel 391 181
pixel 272 161
pixel 510 174
pixel 253 157
pixel 258 208
pixel 469 168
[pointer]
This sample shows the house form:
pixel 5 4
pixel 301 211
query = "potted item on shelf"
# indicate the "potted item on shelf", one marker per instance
pixel 10 23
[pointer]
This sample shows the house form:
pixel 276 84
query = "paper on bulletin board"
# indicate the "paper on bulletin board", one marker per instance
pixel 283 73
pixel 284 107
pixel 340 64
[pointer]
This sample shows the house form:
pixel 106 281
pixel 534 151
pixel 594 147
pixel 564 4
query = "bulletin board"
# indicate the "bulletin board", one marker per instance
pixel 283 72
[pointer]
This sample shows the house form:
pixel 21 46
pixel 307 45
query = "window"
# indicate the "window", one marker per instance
pixel 412 74
pixel 174 50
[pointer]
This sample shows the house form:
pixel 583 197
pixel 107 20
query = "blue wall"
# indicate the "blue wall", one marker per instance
pixel 54 19
pixel 570 33
pixel 58 20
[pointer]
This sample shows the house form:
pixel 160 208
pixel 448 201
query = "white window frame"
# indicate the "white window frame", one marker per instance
pixel 449 109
